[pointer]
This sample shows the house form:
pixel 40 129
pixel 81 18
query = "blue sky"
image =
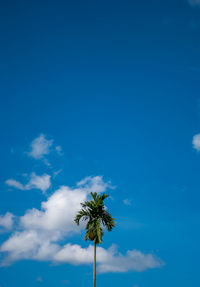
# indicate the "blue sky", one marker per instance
pixel 101 96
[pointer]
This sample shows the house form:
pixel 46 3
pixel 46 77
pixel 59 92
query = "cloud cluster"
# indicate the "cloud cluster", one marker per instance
pixel 57 212
pixel 42 183
pixel 108 260
pixel 40 231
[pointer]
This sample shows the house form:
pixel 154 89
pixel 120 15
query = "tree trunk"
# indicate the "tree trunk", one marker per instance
pixel 94 278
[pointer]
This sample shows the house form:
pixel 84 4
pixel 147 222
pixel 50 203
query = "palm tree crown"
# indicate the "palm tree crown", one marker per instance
pixel 97 217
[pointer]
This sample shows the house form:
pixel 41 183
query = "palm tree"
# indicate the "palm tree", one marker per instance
pixel 97 217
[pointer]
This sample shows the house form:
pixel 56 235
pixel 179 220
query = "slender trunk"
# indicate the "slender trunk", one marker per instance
pixel 94 278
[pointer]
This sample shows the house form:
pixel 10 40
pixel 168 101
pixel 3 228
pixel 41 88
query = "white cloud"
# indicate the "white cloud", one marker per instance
pixel 196 142
pixel 15 184
pixel 194 2
pixel 75 254
pixel 42 182
pixel 94 184
pixel 133 260
pixel 42 230
pixel 40 147
pixel 29 244
pixel 108 260
pixel 6 221
pixel 127 201
pixel 57 212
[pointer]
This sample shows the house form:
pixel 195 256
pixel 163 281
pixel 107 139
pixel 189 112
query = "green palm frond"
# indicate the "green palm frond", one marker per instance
pixel 97 217
pixel 82 214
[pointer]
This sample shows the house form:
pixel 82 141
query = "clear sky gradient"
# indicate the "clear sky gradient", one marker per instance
pixel 112 89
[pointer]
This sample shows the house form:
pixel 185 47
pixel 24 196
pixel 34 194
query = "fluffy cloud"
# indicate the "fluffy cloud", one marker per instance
pixel 108 260
pixel 40 147
pixel 133 260
pixel 57 212
pixel 55 220
pixel 6 221
pixel 94 184
pixel 196 142
pixel 37 246
pixel 42 182
pixel 29 244
pixel 194 2
pixel 42 230
pixel 75 254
